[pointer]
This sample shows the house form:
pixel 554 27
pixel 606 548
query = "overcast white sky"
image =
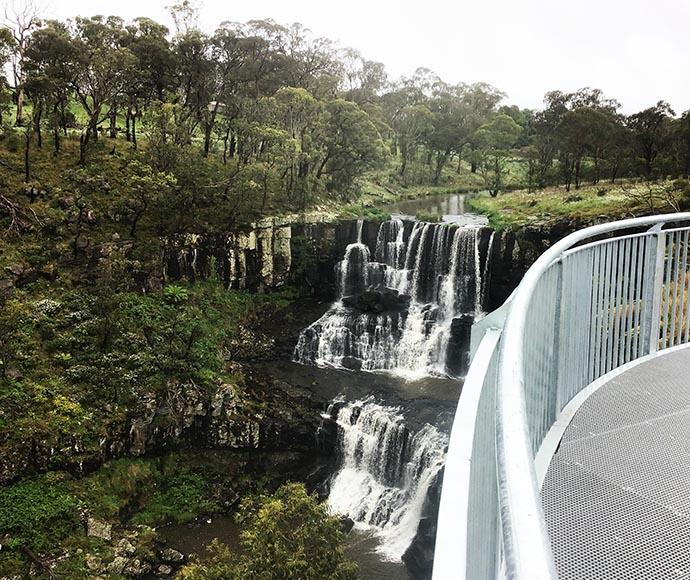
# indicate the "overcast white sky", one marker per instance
pixel 637 51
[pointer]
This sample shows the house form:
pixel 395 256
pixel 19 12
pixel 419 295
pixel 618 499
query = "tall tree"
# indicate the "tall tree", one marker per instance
pixel 102 72
pixel 494 141
pixel 21 18
pixel 51 67
pixel 650 131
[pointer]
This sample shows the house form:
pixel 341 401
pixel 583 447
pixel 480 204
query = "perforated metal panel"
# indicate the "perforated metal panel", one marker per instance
pixel 617 493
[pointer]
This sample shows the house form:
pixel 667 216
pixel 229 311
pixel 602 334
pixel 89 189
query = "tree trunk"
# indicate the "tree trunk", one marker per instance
pixel 134 130
pixel 38 114
pixel 19 121
pixel 56 141
pixel 83 145
pixel 208 130
pixel 226 138
pixel 128 133
pixel 27 156
pixel 137 217
pixel 113 121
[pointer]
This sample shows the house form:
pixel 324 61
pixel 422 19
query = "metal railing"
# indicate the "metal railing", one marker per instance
pixel 596 300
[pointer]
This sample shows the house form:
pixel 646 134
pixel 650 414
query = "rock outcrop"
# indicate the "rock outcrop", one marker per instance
pixel 263 414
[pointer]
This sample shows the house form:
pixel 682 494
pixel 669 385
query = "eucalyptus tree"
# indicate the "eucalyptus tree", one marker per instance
pixel 21 19
pixel 6 50
pixel 51 62
pixel 352 146
pixel 650 135
pixel 195 80
pixel 362 81
pixel 451 123
pixel 681 134
pixel 546 140
pixel 583 131
pixel 102 71
pixel 480 101
pixel 299 115
pixel 311 63
pixel 152 78
pixel 494 140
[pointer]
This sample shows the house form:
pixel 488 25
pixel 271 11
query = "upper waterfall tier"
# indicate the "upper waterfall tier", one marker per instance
pixel 406 304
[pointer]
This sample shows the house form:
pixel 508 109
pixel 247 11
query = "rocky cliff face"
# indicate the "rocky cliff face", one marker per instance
pixel 263 414
pixel 305 253
pixel 515 250
pixel 267 255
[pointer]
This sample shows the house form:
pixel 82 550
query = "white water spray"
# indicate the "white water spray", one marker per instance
pixel 386 472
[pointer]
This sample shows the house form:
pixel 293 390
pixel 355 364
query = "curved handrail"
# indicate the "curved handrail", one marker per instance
pixel 526 547
pixel 581 311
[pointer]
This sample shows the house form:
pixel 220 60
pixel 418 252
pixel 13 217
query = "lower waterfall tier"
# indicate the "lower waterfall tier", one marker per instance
pixel 385 472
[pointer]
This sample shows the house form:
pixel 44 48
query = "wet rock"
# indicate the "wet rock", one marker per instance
pixel 346 524
pixel 93 562
pixel 164 570
pixel 6 290
pixel 378 301
pixel 459 344
pixel 15 269
pixel 99 529
pixel 117 566
pixel 136 568
pixel 125 547
pixel 172 556
pixel 352 363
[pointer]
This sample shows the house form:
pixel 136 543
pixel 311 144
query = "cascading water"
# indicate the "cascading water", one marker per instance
pixel 395 312
pixel 386 472
pixel 402 306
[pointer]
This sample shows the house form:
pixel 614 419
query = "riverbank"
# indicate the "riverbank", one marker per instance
pixel 587 205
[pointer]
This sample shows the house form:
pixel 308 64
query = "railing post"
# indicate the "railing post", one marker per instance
pixel 651 306
pixel 559 304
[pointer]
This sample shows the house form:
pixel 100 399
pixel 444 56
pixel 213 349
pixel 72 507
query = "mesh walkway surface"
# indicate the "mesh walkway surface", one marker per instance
pixel 617 492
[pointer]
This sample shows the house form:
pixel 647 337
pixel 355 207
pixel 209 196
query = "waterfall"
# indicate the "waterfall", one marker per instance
pixel 385 473
pixel 397 302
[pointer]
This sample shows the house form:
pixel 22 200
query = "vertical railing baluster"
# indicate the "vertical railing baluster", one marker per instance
pixel 611 305
pixel 667 291
pixel 642 249
pixel 686 290
pixel 677 291
pixel 629 300
pixel 621 246
pixel 654 273
pixel 595 334
pixel 632 299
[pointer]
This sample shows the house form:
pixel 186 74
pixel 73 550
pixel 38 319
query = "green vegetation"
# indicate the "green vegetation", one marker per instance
pixel 288 535
pixel 39 515
pixel 427 216
pixel 36 514
pixel 76 361
pixel 117 135
pixel 588 205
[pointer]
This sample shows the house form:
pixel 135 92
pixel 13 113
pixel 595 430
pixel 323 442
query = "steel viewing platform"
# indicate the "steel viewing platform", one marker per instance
pixel 570 451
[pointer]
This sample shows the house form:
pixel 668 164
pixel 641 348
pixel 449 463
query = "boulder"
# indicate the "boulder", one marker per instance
pixel 99 529
pixel 172 556
pixel 378 301
pixel 352 363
